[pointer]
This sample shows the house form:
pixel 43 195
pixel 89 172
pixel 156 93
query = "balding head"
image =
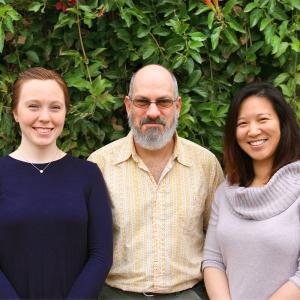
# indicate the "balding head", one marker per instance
pixel 156 75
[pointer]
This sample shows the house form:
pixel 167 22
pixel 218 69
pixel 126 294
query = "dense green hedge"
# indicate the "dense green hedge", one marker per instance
pixel 212 48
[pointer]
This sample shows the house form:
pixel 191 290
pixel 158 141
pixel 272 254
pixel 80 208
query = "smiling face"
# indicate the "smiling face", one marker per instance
pixel 153 127
pixel 40 112
pixel 258 130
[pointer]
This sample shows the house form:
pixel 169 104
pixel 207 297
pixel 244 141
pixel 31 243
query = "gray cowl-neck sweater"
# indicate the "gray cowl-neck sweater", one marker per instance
pixel 254 235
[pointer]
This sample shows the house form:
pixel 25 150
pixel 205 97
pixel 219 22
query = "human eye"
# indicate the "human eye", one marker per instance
pixel 33 106
pixel 241 123
pixel 264 119
pixel 55 107
pixel 164 102
pixel 141 102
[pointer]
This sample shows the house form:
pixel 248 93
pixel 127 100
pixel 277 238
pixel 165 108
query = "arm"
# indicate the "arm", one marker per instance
pixel 215 175
pixel 214 269
pixel 216 284
pixel 100 244
pixel 289 291
pixel 6 289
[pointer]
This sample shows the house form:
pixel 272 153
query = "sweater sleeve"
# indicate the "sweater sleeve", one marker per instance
pixel 7 292
pixel 100 243
pixel 212 256
pixel 296 278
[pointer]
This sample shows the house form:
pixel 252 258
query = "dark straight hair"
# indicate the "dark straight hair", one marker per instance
pixel 238 164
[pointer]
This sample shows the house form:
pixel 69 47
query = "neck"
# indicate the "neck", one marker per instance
pixel 146 154
pixel 39 154
pixel 156 160
pixel 262 171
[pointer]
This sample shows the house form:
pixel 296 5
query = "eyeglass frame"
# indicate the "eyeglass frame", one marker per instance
pixel 149 102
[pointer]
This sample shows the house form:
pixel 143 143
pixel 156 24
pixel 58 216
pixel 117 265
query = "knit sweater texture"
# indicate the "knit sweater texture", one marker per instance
pixel 55 230
pixel 254 235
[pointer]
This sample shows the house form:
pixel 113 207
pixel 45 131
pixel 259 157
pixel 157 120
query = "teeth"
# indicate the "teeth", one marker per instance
pixel 43 130
pixel 257 143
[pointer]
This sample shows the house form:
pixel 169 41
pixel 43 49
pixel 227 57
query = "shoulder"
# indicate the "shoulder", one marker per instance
pixel 112 148
pixel 200 157
pixel 85 167
pixel 5 160
pixel 197 149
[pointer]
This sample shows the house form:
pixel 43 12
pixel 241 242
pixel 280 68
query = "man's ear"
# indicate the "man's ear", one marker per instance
pixel 178 104
pixel 127 104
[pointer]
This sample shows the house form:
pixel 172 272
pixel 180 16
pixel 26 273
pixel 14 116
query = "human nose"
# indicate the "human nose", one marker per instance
pixel 44 115
pixel 254 129
pixel 153 111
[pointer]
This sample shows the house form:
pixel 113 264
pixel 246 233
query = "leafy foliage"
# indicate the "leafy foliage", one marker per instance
pixel 213 48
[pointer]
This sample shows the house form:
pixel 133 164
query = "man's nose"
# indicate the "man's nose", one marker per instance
pixel 153 111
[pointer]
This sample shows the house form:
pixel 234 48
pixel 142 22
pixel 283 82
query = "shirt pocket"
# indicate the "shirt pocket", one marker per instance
pixel 191 214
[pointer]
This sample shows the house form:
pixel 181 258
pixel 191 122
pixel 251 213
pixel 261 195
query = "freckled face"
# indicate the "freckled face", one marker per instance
pixel 258 129
pixel 40 112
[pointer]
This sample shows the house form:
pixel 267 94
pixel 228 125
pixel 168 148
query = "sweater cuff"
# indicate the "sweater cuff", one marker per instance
pixel 213 264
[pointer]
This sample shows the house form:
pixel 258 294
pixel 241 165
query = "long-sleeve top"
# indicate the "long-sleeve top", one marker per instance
pixel 158 226
pixel 55 230
pixel 254 235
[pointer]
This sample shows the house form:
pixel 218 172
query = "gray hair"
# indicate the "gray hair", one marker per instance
pixel 175 85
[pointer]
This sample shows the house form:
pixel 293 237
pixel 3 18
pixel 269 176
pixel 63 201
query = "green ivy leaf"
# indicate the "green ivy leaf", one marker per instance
pixel 295 44
pixel 282 48
pixel 264 22
pixel 215 36
pixel 158 30
pixel 178 61
pixel 210 19
pixel 9 24
pixel 32 56
pixel 142 31
pixel 228 6
pixel 295 3
pixel 196 56
pixel 194 78
pixel 269 33
pixel 236 26
pixel 279 14
pixel 255 16
pixel 148 50
pixel 281 78
pixel 231 37
pixel 250 6
pixel 198 36
pixel 35 6
pixel 283 29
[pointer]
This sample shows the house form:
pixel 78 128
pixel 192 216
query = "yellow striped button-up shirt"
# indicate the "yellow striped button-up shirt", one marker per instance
pixel 158 227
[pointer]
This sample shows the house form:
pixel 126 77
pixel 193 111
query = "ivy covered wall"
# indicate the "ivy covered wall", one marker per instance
pixel 213 47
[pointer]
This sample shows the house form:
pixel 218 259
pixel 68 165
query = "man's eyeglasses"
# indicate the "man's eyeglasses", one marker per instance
pixel 160 103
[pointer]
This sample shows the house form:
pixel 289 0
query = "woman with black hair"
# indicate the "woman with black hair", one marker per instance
pixel 252 248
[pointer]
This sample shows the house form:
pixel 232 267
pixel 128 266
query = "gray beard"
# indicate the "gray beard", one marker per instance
pixel 153 139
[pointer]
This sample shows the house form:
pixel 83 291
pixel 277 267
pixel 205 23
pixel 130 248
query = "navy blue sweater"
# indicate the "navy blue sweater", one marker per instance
pixel 55 230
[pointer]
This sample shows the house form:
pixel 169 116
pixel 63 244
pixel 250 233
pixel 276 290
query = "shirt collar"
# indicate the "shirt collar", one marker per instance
pixel 128 150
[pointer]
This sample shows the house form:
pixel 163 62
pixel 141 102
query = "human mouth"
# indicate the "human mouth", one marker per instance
pixel 43 130
pixel 257 142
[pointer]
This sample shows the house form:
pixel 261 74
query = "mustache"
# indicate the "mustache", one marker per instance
pixel 158 120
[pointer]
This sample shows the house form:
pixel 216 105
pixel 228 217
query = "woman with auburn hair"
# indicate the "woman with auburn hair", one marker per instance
pixel 252 247
pixel 55 217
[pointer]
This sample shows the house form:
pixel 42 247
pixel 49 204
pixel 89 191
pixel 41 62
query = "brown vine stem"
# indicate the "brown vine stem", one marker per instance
pixel 157 44
pixel 85 58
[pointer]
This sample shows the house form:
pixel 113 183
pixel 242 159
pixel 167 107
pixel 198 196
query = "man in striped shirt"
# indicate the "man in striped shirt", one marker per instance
pixel 161 188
